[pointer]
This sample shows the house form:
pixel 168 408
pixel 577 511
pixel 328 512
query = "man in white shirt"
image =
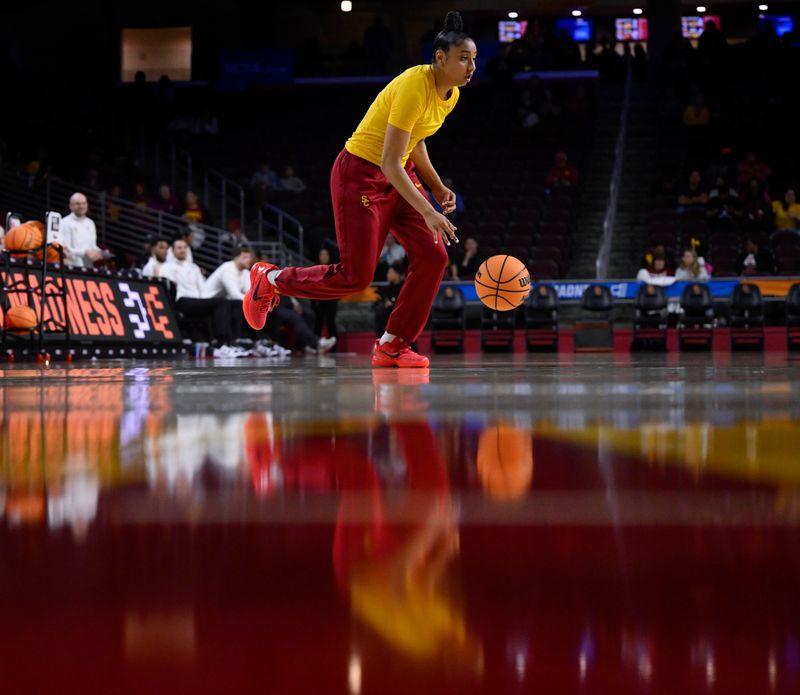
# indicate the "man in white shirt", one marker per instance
pixel 232 279
pixel 158 258
pixel 78 234
pixel 190 285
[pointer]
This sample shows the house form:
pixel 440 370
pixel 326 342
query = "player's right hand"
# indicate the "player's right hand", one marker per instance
pixel 439 224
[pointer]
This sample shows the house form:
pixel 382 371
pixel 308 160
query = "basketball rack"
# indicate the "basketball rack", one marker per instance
pixel 19 268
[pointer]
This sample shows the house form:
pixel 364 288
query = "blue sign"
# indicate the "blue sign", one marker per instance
pixel 243 68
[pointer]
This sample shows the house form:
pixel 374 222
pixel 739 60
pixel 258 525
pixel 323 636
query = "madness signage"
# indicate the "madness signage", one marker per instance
pixel 101 308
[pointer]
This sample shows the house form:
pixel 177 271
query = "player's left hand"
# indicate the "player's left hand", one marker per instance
pixel 446 198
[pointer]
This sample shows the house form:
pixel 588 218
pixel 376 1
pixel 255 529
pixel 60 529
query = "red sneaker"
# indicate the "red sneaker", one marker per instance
pixel 262 298
pixel 396 353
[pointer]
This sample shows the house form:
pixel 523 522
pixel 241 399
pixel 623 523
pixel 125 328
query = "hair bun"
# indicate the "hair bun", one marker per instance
pixel 453 22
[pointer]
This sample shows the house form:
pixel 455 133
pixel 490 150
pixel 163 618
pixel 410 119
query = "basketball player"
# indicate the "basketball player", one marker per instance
pixel 374 187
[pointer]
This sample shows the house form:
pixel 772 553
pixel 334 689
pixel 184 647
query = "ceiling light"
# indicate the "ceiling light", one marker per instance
pixel 346 5
pixel 576 13
pixel 637 10
pixel 763 8
pixel 513 15
pixel 701 8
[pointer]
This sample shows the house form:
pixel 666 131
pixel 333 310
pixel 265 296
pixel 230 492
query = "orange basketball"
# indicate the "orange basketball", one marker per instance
pixel 502 282
pixel 505 461
pixel 24 237
pixel 20 319
pixel 53 252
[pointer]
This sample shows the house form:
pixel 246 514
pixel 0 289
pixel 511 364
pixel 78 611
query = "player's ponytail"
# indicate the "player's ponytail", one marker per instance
pixel 452 34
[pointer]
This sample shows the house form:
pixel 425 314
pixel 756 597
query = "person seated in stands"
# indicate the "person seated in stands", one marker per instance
pixel 264 184
pixel 562 174
pixel 231 281
pixel 723 205
pixel 447 182
pixel 159 250
pixel 78 234
pixel 166 200
pixel 392 253
pixel 188 235
pixel 395 276
pixel 140 199
pixel 190 288
pixel 292 182
pixel 696 114
pixel 691 267
pixel 465 267
pixel 754 260
pixel 325 309
pixel 693 197
pixel 194 212
pixel 656 270
pixel 289 315
pixel 786 211
pixel 752 168
pixel 757 207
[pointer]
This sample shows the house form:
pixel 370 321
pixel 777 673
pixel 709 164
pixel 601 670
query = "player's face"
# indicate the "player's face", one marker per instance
pixel 459 63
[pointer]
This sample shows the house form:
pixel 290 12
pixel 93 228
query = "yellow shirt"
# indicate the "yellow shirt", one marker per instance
pixel 782 219
pixel 409 102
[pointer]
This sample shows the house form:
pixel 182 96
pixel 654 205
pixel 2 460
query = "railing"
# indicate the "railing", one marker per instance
pixel 126 227
pixel 223 197
pixel 604 253
pixel 287 229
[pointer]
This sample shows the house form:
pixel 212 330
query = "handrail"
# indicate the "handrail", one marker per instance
pixel 286 228
pixel 604 252
pixel 125 226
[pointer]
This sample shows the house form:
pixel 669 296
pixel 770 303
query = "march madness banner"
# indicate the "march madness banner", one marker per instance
pixel 102 308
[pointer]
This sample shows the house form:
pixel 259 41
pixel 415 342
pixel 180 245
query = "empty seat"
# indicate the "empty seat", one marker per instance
pixel 793 317
pixel 541 319
pixel 650 317
pixel 696 322
pixel 747 318
pixel 596 334
pixel 497 330
pixel 448 320
pixel 543 270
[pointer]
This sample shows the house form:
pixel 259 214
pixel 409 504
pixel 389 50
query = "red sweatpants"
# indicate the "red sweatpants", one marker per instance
pixel 366 208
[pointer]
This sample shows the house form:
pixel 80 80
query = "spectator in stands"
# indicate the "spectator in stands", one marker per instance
pixel 263 183
pixel 755 261
pixel 140 199
pixel 113 208
pixel 325 309
pixel 194 212
pixel 696 114
pixel 723 205
pixel 466 267
pixel 752 168
pixel 78 234
pixel 693 197
pixel 289 315
pixel 158 257
pixel 460 207
pixel 292 182
pixel 562 174
pixel 391 253
pixel 166 200
pixel 787 211
pixel 190 289
pixel 395 276
pixel 757 207
pixel 691 267
pixel 656 270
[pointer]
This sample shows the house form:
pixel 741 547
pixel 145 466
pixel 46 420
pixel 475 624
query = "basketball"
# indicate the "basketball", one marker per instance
pixel 53 252
pixel 24 237
pixel 505 461
pixel 502 282
pixel 20 319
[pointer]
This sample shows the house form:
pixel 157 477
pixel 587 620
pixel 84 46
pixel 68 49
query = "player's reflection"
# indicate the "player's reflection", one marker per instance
pixel 394 545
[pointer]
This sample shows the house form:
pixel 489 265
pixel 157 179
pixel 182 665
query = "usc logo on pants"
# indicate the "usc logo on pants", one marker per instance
pixel 365 201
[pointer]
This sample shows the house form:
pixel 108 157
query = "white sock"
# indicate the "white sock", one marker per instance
pixel 387 338
pixel 272 275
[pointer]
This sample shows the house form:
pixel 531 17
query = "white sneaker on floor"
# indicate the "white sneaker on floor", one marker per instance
pixel 231 352
pixel 325 345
